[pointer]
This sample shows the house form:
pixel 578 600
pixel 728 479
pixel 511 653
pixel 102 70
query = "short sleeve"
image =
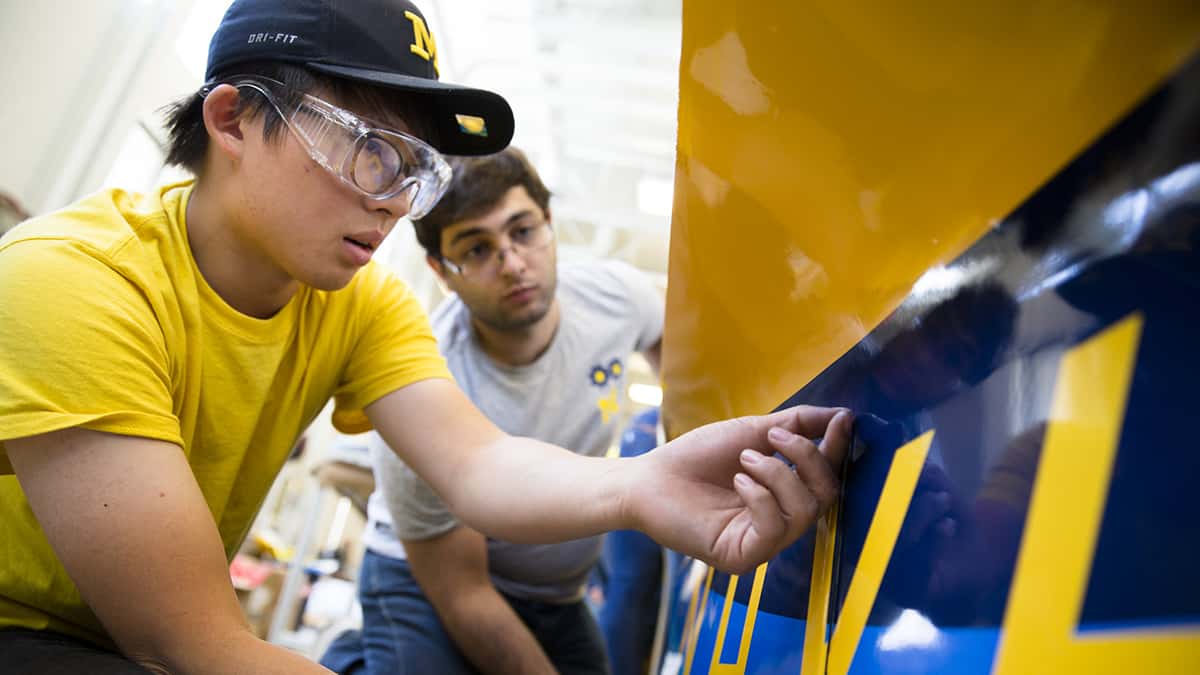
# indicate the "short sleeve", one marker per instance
pixel 395 347
pixel 80 346
pixel 417 511
pixel 648 303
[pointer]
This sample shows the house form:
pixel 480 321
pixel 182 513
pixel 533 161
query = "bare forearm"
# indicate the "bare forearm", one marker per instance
pixel 523 490
pixel 492 637
pixel 105 499
pixel 516 489
pixel 716 492
pixel 240 652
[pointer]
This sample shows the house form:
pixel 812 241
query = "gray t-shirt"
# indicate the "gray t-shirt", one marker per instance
pixel 570 397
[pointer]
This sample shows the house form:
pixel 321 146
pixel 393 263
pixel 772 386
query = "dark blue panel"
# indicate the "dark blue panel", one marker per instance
pixel 973 354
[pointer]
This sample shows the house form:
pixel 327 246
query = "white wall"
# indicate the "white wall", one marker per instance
pixel 76 78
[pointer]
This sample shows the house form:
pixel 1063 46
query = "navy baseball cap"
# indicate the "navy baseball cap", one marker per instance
pixel 380 42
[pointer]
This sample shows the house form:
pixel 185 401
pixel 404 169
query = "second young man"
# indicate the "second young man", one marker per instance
pixel 542 351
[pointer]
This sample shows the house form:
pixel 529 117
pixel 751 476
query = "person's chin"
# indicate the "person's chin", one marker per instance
pixel 330 281
pixel 530 315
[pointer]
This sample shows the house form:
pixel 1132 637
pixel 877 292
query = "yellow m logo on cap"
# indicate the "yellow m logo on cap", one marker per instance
pixel 423 44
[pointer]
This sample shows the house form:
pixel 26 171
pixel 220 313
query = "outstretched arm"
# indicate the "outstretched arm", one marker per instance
pixel 130 525
pixel 700 494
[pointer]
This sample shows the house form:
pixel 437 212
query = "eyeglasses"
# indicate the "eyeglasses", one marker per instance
pixel 379 163
pixel 483 256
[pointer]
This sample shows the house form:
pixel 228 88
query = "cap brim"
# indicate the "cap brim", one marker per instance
pixel 466 121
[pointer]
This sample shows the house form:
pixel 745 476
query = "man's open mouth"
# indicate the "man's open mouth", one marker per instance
pixel 359 243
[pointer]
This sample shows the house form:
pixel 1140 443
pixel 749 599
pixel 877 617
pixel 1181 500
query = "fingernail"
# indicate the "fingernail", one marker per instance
pixel 780 435
pixel 751 457
pixel 743 480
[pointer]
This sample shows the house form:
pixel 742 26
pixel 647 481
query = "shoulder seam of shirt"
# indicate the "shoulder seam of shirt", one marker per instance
pixel 136 224
pixel 108 257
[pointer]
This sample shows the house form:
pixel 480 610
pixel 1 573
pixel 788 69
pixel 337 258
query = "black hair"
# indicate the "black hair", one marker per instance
pixel 188 139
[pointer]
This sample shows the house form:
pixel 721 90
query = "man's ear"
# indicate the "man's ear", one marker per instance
pixel 223 122
pixel 439 270
pixel 438 267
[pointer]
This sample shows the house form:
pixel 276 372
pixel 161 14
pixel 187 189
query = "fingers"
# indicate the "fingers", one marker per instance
pixel 817 467
pixel 838 435
pixel 764 510
pixel 811 467
pixel 802 419
pixel 780 502
pixel 810 488
pixel 798 503
pixel 749 432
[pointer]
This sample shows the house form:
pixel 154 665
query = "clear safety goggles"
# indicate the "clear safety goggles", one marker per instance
pixel 483 256
pixel 379 163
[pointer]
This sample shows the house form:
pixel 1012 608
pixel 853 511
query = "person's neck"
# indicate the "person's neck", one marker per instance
pixel 236 270
pixel 518 347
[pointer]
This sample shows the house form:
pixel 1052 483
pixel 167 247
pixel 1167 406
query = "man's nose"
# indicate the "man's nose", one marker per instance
pixel 512 263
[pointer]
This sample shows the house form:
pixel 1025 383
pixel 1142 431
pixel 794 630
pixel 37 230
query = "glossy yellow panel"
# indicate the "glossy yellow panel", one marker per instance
pixel 877 550
pixel 815 645
pixel 829 153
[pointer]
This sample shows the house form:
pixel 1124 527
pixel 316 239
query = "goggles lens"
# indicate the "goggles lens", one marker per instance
pixel 376 164
pixel 379 163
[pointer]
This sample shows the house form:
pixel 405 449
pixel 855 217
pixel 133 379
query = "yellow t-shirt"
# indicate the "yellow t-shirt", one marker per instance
pixel 106 324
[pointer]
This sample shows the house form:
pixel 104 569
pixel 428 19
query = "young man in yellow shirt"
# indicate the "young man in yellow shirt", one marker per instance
pixel 161 353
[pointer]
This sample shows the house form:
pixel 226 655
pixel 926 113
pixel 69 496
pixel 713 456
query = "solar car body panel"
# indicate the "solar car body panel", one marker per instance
pixel 976 225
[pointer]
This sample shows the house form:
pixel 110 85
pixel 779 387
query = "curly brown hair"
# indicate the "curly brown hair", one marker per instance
pixel 479 184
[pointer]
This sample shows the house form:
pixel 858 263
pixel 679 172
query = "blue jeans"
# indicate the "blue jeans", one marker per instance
pixel 403 634
pixel 632 564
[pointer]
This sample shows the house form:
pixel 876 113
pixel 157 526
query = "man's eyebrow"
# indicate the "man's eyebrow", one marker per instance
pixel 518 216
pixel 473 231
pixel 463 234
